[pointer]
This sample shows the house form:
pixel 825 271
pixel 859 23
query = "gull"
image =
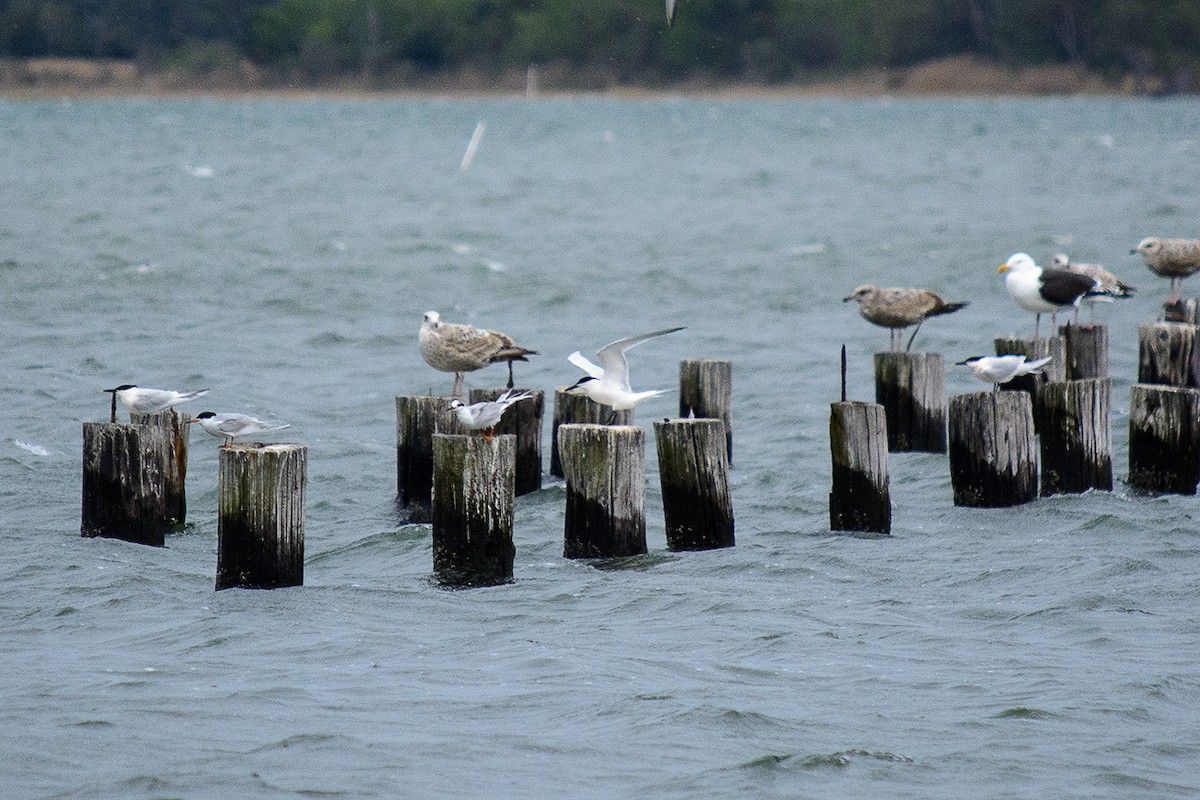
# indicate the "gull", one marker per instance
pixel 609 384
pixel 1041 290
pixel 1002 369
pixel 228 426
pixel 1107 287
pixel 1170 258
pixel 449 347
pixel 138 400
pixel 898 308
pixel 485 416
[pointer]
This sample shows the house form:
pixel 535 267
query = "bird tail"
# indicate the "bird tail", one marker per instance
pixel 513 353
pixel 1029 367
pixel 947 308
pixel 194 395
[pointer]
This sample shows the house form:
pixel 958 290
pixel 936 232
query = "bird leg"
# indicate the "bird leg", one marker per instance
pixel 914 335
pixel 458 382
pixel 612 417
pixel 489 433
pixel 510 377
pixel 1037 326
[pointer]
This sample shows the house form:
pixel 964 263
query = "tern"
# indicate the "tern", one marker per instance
pixel 485 416
pixel 1043 291
pixel 229 426
pixel 138 400
pixel 609 384
pixel 1002 369
pixel 449 347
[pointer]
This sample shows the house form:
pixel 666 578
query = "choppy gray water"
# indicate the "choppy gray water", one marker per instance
pixel 281 254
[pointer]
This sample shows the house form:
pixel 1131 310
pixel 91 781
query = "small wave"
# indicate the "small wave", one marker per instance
pixel 1024 712
pixel 842 758
pixel 36 449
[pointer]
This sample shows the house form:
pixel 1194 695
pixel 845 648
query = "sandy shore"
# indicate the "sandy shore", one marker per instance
pixel 959 76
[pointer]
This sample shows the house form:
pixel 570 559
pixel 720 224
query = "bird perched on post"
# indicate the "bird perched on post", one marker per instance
pixel 485 416
pixel 898 308
pixel 1002 369
pixel 1043 291
pixel 139 400
pixel 459 349
pixel 1170 258
pixel 1107 286
pixel 230 426
pixel 609 384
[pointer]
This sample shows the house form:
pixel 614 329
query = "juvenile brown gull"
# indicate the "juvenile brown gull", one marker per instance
pixel 1107 285
pixel 1170 258
pixel 450 347
pixel 897 308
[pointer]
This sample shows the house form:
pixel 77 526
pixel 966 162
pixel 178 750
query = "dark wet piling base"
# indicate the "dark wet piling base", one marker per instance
pixel 860 498
pixel 1164 439
pixel 418 417
pixel 911 387
pixel 473 496
pixel 524 421
pixel 993 460
pixel 706 392
pixel 605 471
pixel 260 515
pixel 1076 441
pixel 693 470
pixel 578 409
pixel 124 488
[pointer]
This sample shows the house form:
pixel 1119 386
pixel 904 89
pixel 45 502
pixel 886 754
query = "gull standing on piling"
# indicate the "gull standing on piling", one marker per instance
pixel 897 308
pixel 609 384
pixel 449 347
pixel 1043 291
pixel 1107 286
pixel 485 416
pixel 139 400
pixel 1002 369
pixel 229 426
pixel 1170 258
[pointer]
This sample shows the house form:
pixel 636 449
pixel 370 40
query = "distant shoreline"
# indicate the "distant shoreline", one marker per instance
pixel 958 76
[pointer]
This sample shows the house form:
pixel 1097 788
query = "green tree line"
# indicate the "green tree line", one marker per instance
pixel 766 40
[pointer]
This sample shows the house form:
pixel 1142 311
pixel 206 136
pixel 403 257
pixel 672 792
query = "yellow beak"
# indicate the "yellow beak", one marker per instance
pixel 1003 268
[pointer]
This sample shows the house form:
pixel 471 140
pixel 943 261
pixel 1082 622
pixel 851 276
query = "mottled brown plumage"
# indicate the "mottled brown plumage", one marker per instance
pixel 449 347
pixel 897 308
pixel 1170 258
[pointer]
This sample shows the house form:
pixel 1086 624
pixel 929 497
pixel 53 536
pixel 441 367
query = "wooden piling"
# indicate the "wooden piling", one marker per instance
pixel 706 392
pixel 911 387
pixel 474 482
pixel 175 430
pixel 1164 438
pixel 1168 354
pixel 260 515
pixel 993 461
pixel 693 468
pixel 524 421
pixel 418 418
pixel 605 471
pixel 860 499
pixel 1032 349
pixel 1086 348
pixel 124 490
pixel 1076 439
pixel 578 409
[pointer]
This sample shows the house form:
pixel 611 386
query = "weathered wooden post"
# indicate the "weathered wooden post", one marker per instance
pixel 860 499
pixel 418 417
pixel 993 460
pixel 474 482
pixel 1076 437
pixel 124 489
pixel 523 420
pixel 1054 372
pixel 579 409
pixel 693 468
pixel 605 470
pixel 1168 354
pixel 260 522
pixel 706 392
pixel 1164 438
pixel 175 430
pixel 911 387
pixel 1086 351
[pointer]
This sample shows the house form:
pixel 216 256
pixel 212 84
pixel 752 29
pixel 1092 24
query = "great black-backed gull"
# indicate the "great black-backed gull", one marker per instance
pixel 1002 369
pixel 1043 291
pixel 897 308
pixel 1170 258
pixel 449 347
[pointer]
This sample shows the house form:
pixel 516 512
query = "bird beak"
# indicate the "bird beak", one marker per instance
pixel 847 299
pixel 193 419
pixel 1133 251
pixel 1003 268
